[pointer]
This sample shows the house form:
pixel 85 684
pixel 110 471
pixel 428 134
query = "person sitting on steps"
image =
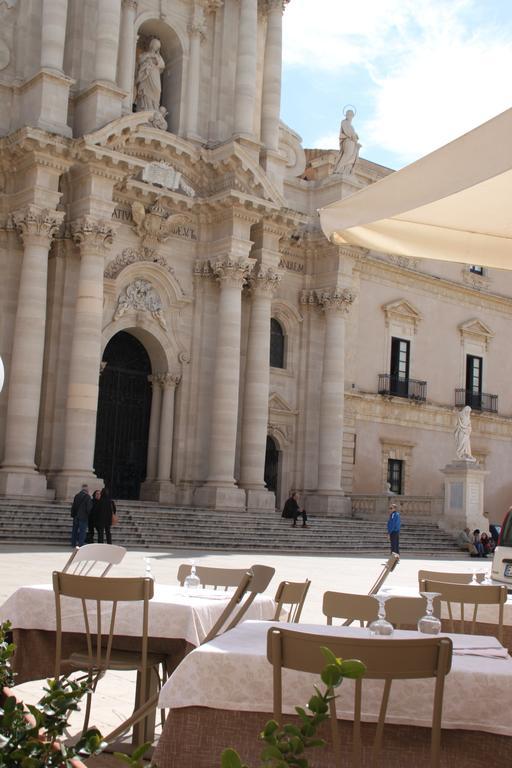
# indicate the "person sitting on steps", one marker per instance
pixel 291 510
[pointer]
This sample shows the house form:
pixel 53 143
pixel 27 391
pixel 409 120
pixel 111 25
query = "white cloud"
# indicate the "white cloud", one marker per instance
pixel 434 77
pixel 328 141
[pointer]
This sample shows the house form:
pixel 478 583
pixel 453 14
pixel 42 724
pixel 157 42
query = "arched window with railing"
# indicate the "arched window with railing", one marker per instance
pixel 277 344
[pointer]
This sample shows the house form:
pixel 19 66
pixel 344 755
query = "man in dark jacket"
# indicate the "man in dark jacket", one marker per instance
pixel 394 528
pixel 291 510
pixel 80 511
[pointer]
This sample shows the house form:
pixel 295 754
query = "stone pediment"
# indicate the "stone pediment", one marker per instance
pixel 403 311
pixel 277 405
pixel 476 329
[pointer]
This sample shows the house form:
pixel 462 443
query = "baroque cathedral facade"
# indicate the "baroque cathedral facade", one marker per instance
pixel 173 322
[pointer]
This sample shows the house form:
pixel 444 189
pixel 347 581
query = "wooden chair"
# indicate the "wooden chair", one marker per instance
pixel 291 594
pixel 400 611
pixel 212 577
pixel 104 595
pixel 468 594
pixel 385 660
pixel 262 575
pixel 449 578
pixel 387 568
pixel 84 559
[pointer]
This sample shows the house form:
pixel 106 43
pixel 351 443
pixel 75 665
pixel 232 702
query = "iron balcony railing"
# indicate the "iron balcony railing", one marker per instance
pixel 412 389
pixel 479 401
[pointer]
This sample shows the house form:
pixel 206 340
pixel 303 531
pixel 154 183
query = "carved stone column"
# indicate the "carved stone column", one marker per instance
pixel 126 63
pixel 256 394
pixel 92 237
pixel 220 490
pixel 197 31
pixel 53 33
pixel 335 305
pixel 154 427
pixel 107 40
pixel 272 66
pixel 18 477
pixel 246 68
pixel 168 382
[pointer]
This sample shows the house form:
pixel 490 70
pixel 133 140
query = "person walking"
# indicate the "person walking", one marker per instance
pixel 80 511
pixel 103 516
pixel 291 510
pixel 394 528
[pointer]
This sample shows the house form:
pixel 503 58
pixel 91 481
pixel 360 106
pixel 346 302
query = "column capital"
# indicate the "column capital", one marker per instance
pixel 231 271
pixel 211 6
pixel 36 225
pixel 266 6
pixel 89 232
pixel 166 380
pixel 130 5
pixel 264 282
pixel 338 299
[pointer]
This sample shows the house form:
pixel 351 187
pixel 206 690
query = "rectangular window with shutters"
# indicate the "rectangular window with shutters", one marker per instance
pixel 399 368
pixel 474 370
pixel 395 475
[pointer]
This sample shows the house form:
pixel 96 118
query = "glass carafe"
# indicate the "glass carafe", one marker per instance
pixel 147 568
pixel 429 624
pixel 192 581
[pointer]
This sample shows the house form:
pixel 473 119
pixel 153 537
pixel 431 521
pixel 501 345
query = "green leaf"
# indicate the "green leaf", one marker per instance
pixel 230 759
pixel 267 754
pixel 329 655
pixel 331 675
pixel 270 728
pixel 292 730
pixel 353 669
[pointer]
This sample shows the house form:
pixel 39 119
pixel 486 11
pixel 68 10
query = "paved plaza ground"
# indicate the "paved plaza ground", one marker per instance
pixel 33 565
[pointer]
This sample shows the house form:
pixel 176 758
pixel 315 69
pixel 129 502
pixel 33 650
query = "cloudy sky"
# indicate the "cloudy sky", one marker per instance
pixel 420 72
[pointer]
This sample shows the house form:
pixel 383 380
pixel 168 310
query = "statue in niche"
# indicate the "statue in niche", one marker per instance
pixel 349 145
pixel 462 435
pixel 148 84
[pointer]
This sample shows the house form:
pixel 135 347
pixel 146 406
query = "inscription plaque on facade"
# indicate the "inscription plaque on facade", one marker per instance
pixel 291 266
pixel 474 498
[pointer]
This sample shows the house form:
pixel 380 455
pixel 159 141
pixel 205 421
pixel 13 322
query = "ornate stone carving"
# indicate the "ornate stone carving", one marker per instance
pixel 462 434
pixel 130 4
pixel 228 270
pixel 36 223
pixel 406 262
pixel 158 119
pixel 92 233
pixel 141 296
pixel 167 379
pixel 147 82
pixel 264 281
pixel 308 298
pixel 339 300
pixel 349 145
pixel 155 225
pixel 164 175
pixel 211 6
pixel 132 256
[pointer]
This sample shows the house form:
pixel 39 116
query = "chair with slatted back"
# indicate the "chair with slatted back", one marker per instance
pixel 262 575
pixel 400 611
pixel 449 578
pixel 99 598
pixel 392 659
pixel 291 594
pixel 387 568
pixel 84 560
pixel 213 577
pixel 464 595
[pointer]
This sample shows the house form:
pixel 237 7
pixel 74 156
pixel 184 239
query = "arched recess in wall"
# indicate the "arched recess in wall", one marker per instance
pixel 289 319
pixel 172 76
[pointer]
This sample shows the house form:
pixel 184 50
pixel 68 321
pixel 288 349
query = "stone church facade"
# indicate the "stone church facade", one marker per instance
pixel 173 321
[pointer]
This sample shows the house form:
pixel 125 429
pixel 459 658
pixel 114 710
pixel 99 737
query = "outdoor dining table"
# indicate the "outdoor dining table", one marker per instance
pixel 179 620
pixel 221 696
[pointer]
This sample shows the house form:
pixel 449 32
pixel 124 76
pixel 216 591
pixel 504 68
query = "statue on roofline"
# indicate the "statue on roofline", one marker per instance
pixel 349 144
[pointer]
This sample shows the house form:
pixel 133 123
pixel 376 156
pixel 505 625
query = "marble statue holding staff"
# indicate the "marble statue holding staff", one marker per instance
pixel 147 82
pixel 349 145
pixel 462 435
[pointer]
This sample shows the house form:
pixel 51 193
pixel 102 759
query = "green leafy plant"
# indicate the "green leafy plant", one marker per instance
pixel 285 746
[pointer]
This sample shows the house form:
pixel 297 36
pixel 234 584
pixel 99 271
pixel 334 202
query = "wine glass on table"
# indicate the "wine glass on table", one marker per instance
pixel 381 627
pixel 192 581
pixel 429 624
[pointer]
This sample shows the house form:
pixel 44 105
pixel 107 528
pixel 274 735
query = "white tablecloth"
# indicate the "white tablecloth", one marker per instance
pixel 232 672
pixel 172 612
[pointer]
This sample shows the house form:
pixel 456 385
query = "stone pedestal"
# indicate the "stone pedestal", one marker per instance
pixel 98 105
pixel 44 102
pixel 26 484
pixel 260 498
pixel 338 505
pixel 463 497
pixel 67 484
pixel 220 497
pixel 161 491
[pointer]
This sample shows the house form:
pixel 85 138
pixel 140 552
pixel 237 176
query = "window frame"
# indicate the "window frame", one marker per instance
pixel 392 465
pixel 283 338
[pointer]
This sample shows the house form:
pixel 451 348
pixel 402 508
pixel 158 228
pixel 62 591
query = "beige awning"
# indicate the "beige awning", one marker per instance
pixel 454 204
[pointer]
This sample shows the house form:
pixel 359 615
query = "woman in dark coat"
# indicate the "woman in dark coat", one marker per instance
pixel 103 517
pixel 93 516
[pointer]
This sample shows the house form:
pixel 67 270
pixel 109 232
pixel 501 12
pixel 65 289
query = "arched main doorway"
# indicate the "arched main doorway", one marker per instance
pixel 122 424
pixel 272 467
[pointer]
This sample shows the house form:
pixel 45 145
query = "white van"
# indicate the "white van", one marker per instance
pixel 502 563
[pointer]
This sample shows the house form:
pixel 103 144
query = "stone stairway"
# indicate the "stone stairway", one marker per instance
pixel 147 525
